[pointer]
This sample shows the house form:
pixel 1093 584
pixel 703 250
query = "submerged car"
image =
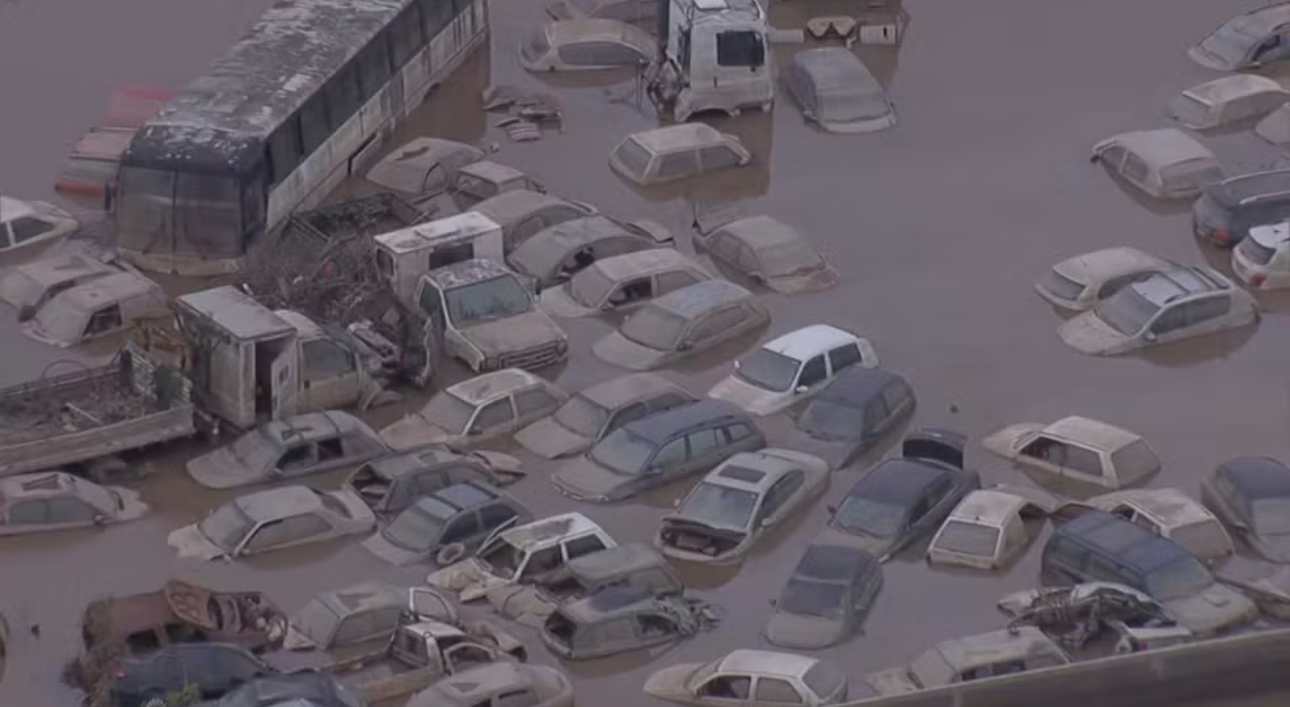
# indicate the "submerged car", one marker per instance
pixel 1252 496
pixel 827 598
pixel 1169 513
pixel 769 252
pixel 1246 41
pixel 1078 283
pixel 622 282
pixel 446 525
pixel 586 44
pixel 298 688
pixel 903 498
pixel 1165 163
pixel 522 213
pixel 1267 584
pixel 653 451
pixel 959 660
pixel 1074 615
pixel 1227 100
pixel 209 669
pixel 591 413
pixel 987 529
pixel 1226 211
pixel 27 223
pixel 273 520
pixel 748 496
pixel 28 286
pixel 1165 307
pixel 753 678
pixel 857 410
pixel 301 445
pixel 835 90
pixel 501 684
pixel 621 619
pixel 1262 259
pixel 793 367
pixel 677 152
pixel 349 616
pixel 486 179
pixel 100 307
pixel 682 323
pixel 1077 449
pixel 392 483
pixel 557 253
pixel 423 165
pixel 53 500
pixel 473 411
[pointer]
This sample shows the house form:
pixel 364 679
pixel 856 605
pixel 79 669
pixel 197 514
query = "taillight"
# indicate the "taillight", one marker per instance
pixel 1257 280
pixel 1222 236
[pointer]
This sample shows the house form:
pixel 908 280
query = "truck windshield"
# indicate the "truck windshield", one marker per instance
pixel 226 526
pixel 495 298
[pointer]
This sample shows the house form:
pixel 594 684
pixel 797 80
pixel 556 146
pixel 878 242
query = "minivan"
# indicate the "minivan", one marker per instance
pixel 1101 547
pixel 1226 210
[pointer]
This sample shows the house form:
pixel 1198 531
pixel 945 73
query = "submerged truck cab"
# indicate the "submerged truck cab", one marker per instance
pixel 714 56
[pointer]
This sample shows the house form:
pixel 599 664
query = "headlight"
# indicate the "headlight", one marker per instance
pixel 563 346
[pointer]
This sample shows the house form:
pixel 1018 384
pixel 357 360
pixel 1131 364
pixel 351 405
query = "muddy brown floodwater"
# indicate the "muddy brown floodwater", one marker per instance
pixel 938 227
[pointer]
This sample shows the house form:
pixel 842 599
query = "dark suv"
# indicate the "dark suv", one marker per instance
pixel 1226 210
pixel 214 668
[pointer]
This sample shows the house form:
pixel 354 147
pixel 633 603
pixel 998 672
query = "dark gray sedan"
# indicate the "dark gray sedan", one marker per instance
pixel 857 410
pixel 905 497
pixel 447 524
pixel 1252 496
pixel 826 599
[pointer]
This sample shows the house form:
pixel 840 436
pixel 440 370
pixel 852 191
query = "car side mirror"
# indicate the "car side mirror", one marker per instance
pixel 801 389
pixel 736 365
pixel 1149 336
pixel 676 503
pixel 832 509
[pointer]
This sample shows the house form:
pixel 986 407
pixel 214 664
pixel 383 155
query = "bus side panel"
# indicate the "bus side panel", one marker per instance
pixel 416 78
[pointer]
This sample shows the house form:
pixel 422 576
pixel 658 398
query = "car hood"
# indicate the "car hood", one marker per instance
pixel 551 440
pixel 1004 442
pixel 585 480
pixel 1212 609
pixel 33 329
pixel 813 281
pixel 803 632
pixel 621 351
pixel 188 541
pixel 220 469
pixel 559 303
pixel 414 431
pixel 670 683
pixel 1087 333
pixel 892 681
pixel 132 505
pixel 877 547
pixel 390 552
pixel 467 578
pixel 758 401
pixel 511 334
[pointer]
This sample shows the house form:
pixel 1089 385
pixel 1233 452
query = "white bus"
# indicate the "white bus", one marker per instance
pixel 278 122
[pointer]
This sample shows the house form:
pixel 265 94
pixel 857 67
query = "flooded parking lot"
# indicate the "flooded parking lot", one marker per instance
pixel 938 228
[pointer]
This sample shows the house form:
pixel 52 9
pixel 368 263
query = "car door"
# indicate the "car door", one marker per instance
pixel 674 280
pixel 624 415
pixel 464 528
pixel 1207 314
pixel 776 691
pixel 708 447
pixel 233 667
pixel 1275 48
pixel 1134 515
pixel 1169 324
pixel 812 376
pixel 104 321
pixel 717 157
pixel 329 375
pixel 717 327
pixel 723 248
pixel 531 404
pixel 298 459
pixel 285 532
pixel 724 689
pixel 782 499
pixel 666 464
pixel 494 418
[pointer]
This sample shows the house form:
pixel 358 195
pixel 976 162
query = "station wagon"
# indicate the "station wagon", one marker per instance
pixel 856 411
pixel 622 282
pixel 985 655
pixel 768 251
pixel 1077 449
pixel 53 500
pixel 1172 514
pixel 618 620
pixel 677 152
pixel 1165 163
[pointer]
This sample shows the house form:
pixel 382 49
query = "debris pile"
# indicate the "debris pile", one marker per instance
pixel 528 112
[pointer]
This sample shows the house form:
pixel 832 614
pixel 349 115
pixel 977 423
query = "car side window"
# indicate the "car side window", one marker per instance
pixel 1113 156
pixel 738 431
pixel 355 628
pixel 781 492
pixel 301 456
pixel 584 545
pixel 675 165
pixel 28 227
pixel 1131 514
pixel 577 54
pixel 652 625
pixel 1116 284
pixel 494 514
pixel 703 442
pixel 330 449
pixel 28 513
pixel 666 401
pixel 718 323
pixel 1045 449
pixel 493 415
pixel 675 280
pixel 632 412
pixel 747 259
pixel 461 528
pixel 718 157
pixel 533 400
pixel 70 510
pixel 1135 169
pixel 613 54
pixel 1209 308
pixel 519 698
pixel 103 321
pixel 326 359
pixel 1175 317
pixel 1229 491
pixel 669 455
pixel 1084 461
pixel 776 690
pixel 814 371
pixel 641 288
pixel 843 357
pixel 541 562
pixel 726 687
pixel 724 247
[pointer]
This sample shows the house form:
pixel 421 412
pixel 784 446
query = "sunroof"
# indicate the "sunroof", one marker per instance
pixel 741 473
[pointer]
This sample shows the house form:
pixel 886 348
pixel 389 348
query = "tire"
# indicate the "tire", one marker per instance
pixel 450 554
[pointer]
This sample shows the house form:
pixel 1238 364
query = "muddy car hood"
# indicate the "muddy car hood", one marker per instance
pixel 893 681
pixel 189 542
pixel 815 281
pixel 670 683
pixel 878 547
pixel 559 303
pixel 415 431
pixel 1215 608
pixel 381 547
pixel 758 401
pixel 513 334
pixel 551 440
pixel 803 632
pixel 525 604
pixel 467 578
pixel 221 470
pixel 1087 333
pixel 584 480
pixel 621 351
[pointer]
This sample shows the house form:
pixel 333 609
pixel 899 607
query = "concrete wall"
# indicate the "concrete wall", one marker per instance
pixel 1240 666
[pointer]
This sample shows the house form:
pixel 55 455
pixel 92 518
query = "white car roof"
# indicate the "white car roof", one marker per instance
pixel 1162 147
pixel 548 531
pixel 1168 506
pixel 1093 433
pixel 679 137
pixel 1271 235
pixel 1101 265
pixel 988 507
pixel 758 662
pixel 644 262
pixel 491 386
pixel 278 503
pixel 1230 88
pixel 11 209
pixel 809 341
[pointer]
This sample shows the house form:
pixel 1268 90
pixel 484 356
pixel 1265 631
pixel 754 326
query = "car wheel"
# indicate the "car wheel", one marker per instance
pixel 450 554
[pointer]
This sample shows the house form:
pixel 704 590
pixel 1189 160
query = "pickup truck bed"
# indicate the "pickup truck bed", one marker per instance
pixel 383 677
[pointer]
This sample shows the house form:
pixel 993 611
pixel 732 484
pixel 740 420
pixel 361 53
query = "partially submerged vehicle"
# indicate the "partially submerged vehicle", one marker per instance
pixel 586 44
pixel 1169 513
pixel 1075 615
pixel 557 253
pixel 621 619
pixel 753 678
pixel 1246 41
pixel 738 503
pixel 211 670
pixel 1262 259
pixel 681 324
pixel 793 367
pixel 1227 100
pixel 1252 496
pixel 97 308
pixel 983 655
pixel 476 410
pixel 391 483
pixel 1165 163
pixel 54 500
pixel 521 213
pixel 357 614
pixel 1227 210
pixel 27 287
pixel 423 165
pixel 591 413
pixel 826 599
pixel 486 179
pixel 447 524
pixel 498 684
pixel 987 529
pixel 768 251
pixel 643 13
pixel 1267 584
pixel 299 688
pixel 836 91
pixel 1165 307
pixel 1077 449
pixel 275 519
pixel 290 448
pixel 28 223
pixel 1079 282
pixel 677 152
pixel 856 411
pixel 623 282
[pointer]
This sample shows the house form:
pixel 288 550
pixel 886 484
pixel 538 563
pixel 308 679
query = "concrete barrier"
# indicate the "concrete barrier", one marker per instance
pixel 1235 667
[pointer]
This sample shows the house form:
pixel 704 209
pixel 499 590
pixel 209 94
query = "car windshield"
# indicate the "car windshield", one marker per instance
pixel 633 157
pixel 419 526
pixel 965 538
pixel 719 506
pixel 832 421
pixel 495 298
pixel 1182 578
pixel 1271 516
pixel 869 517
pixel 1229 44
pixel 317 621
pixel 448 412
pixel 769 370
pixel 226 526
pixel 1060 286
pixel 795 257
pixel 622 452
pixel 1126 311
pixel 653 327
pixel 61 321
pixel 255 450
pixel 590 286
pixel 101 498
pixel 811 598
pixel 581 416
pixel 501 559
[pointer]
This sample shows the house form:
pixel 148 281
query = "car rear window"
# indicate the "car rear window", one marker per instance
pixel 1192 173
pixel 1136 458
pixel 1254 251
pixel 1188 110
pixel 968 539
pixel 823 678
pixel 632 156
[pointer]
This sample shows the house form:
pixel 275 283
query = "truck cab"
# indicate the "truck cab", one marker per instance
pixel 714 56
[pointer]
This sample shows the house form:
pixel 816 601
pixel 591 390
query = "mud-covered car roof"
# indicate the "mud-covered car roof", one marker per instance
pixel 995 647
pixel 663 426
pixel 751 471
pixel 399 465
pixel 609 602
pixel 490 386
pixel 273 504
pixel 109 289
pixel 856 385
pixel 617 392
pixel 548 530
pixel 1162 147
pixel 614 562
pixel 684 136
pixel 314 426
pixel 1092 432
pixel 1258 477
pixel 362 597
pixel 466 272
pixel 510 206
pixel 693 300
pixel 643 262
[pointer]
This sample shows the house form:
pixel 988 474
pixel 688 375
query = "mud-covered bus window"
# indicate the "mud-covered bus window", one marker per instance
pixel 144 208
pixel 284 149
pixel 435 15
pixel 405 36
pixel 343 98
pixel 744 48
pixel 314 129
pixel 253 204
pixel 373 67
pixel 208 218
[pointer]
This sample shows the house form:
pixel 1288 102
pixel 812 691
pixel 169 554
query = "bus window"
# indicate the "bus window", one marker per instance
pixel 435 14
pixel 405 36
pixel 143 209
pixel 253 205
pixel 313 123
pixel 284 149
pixel 343 98
pixel 373 67
pixel 207 216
